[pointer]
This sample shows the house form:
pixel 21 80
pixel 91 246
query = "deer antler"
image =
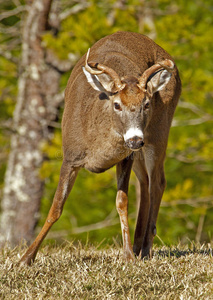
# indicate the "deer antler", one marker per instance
pixel 165 64
pixel 103 69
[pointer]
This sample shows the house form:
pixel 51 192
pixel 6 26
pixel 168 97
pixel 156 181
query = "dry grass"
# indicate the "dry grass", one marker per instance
pixel 69 272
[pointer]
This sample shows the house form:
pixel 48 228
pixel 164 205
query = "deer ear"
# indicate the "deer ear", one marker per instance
pixel 158 80
pixel 102 82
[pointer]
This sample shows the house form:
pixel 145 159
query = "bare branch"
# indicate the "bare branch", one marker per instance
pixel 13 12
pixel 7 125
pixel 112 220
pixel 57 100
pixel 16 2
pixel 195 109
pixel 96 226
pixel 183 158
pixel 203 119
pixel 8 55
pixel 74 10
pixel 12 31
pixel 61 66
pixel 82 229
pixel 194 202
pixel 54 124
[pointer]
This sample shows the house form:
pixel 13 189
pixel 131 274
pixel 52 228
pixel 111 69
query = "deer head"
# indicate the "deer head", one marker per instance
pixel 131 97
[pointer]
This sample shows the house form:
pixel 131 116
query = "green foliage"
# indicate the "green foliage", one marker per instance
pixel 189 163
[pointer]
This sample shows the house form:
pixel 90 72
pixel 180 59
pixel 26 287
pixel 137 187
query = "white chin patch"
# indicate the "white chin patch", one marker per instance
pixel 132 132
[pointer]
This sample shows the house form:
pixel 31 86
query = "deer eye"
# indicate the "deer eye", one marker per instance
pixel 146 105
pixel 117 106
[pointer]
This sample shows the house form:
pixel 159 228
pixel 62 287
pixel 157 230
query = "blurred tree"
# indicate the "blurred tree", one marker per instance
pixel 36 110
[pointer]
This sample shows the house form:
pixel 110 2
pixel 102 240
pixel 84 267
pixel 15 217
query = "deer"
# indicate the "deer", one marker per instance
pixel 119 104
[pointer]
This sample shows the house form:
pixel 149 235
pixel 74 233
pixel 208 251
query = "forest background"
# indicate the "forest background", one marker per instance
pixel 182 28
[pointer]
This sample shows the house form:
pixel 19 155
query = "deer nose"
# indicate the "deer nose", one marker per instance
pixel 134 143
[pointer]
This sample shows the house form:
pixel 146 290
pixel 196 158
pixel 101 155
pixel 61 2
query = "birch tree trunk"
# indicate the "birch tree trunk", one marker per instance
pixel 36 107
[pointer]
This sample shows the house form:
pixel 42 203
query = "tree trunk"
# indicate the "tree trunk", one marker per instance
pixel 36 107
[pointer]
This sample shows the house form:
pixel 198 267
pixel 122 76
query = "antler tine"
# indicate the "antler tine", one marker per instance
pixel 165 64
pixel 88 68
pixel 168 65
pixel 103 69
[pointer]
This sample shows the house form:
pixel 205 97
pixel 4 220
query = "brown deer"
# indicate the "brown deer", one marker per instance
pixel 119 104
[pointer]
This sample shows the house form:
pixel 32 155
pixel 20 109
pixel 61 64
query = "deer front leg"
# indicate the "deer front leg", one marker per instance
pixel 67 178
pixel 123 174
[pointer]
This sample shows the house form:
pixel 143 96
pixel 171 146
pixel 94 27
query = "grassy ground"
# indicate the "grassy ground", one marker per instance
pixel 70 272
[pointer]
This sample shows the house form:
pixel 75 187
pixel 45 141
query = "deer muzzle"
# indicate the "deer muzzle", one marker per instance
pixel 134 143
pixel 134 138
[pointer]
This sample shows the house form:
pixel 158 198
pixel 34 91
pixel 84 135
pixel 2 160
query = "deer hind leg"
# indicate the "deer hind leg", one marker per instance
pixel 157 186
pixel 67 178
pixel 123 174
pixel 152 185
pixel 144 206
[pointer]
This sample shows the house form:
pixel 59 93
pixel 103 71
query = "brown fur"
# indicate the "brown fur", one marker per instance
pixel 131 95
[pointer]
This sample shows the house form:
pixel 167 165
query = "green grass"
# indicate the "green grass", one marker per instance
pixel 83 272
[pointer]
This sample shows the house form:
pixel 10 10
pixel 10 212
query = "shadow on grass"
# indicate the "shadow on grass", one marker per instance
pixel 177 252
